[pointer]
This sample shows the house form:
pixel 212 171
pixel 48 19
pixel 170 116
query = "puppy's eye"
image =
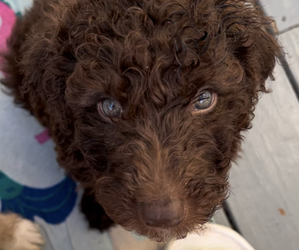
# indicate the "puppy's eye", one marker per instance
pixel 205 101
pixel 110 108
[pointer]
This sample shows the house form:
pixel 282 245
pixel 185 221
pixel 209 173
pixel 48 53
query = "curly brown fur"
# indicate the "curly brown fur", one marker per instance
pixel 152 56
pixel 94 212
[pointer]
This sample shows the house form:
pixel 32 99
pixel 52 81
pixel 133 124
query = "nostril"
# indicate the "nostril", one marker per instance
pixel 163 213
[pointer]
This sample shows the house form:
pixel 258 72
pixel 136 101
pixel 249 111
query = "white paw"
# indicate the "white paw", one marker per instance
pixel 27 236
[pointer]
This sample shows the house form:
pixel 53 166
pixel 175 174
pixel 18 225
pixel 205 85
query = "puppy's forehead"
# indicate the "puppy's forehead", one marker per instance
pixel 160 50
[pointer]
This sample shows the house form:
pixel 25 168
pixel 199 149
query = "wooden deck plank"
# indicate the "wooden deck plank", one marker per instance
pixel 290 43
pixel 285 12
pixel 265 200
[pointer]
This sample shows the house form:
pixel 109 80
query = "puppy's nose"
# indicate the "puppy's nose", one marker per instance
pixel 163 213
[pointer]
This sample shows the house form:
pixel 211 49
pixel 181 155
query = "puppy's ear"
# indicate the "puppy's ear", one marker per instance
pixel 258 56
pixel 44 83
pixel 256 47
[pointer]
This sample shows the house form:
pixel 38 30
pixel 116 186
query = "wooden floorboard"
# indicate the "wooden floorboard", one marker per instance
pixel 290 43
pixel 285 12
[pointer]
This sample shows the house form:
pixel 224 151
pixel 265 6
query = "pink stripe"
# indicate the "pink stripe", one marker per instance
pixel 8 19
pixel 43 137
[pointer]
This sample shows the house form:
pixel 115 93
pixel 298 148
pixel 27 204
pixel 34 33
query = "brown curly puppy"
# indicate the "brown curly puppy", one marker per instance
pixel 145 99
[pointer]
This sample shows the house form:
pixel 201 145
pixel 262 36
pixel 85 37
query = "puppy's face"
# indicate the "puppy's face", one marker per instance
pixel 156 96
pixel 160 143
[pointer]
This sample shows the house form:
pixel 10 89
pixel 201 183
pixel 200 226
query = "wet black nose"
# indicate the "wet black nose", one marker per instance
pixel 162 213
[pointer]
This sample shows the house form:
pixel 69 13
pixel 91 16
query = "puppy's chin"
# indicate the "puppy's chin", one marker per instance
pixel 167 234
pixel 162 235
